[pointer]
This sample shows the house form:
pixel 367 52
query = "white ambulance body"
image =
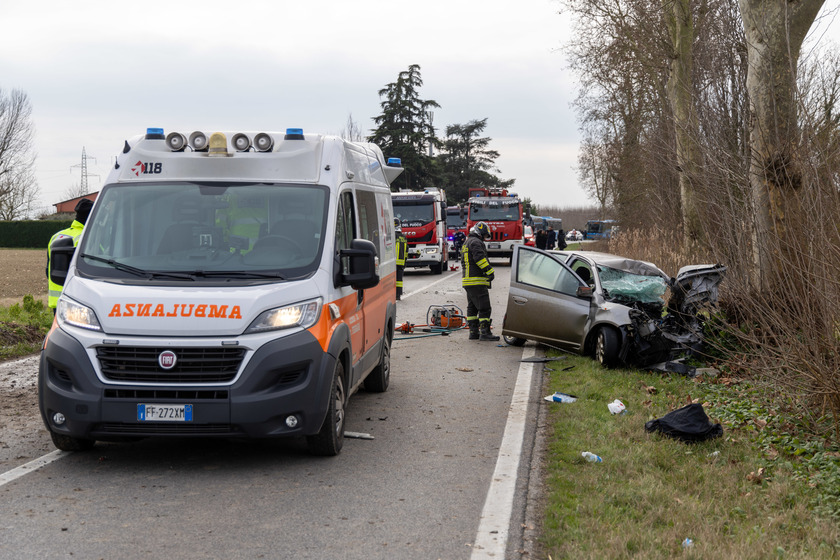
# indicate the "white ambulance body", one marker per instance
pixel 236 285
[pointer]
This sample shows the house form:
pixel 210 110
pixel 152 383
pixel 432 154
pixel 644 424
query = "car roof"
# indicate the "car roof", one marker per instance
pixel 632 266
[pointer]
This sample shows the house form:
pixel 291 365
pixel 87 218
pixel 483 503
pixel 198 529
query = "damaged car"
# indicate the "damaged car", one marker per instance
pixel 607 306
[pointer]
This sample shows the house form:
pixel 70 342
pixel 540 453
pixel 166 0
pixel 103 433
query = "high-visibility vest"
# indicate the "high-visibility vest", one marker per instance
pixel 475 268
pixel 402 249
pixel 73 232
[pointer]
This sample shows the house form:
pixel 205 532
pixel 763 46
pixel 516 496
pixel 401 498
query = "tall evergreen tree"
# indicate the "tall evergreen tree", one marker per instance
pixel 404 128
pixel 466 161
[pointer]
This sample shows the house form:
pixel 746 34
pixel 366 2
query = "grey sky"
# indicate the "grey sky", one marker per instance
pixel 99 72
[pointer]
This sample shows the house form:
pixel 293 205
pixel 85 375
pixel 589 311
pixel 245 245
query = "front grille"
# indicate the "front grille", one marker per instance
pixel 182 428
pixel 193 365
pixel 189 395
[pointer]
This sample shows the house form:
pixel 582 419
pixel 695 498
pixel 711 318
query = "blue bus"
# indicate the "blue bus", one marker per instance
pixel 598 229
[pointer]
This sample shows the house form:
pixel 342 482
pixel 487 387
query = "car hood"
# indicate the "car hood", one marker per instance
pixel 696 286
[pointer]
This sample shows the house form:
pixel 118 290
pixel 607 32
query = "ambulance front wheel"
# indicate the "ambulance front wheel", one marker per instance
pixel 67 443
pixel 328 441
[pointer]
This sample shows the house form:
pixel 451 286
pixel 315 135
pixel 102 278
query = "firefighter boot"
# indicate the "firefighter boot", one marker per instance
pixel 474 334
pixel 485 332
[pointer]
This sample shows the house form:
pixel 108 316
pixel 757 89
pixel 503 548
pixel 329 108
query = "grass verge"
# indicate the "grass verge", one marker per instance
pixel 23 327
pixel 757 492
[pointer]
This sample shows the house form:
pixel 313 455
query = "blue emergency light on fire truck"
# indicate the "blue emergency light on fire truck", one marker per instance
pixel 233 284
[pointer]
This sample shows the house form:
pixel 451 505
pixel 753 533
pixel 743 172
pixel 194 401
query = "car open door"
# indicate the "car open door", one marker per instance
pixel 543 302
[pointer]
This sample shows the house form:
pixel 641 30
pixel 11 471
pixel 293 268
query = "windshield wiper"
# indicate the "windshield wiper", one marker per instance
pixel 149 274
pixel 118 265
pixel 235 274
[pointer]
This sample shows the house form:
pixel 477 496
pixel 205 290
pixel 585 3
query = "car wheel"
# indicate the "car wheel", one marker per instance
pixel 380 377
pixel 606 347
pixel 67 443
pixel 328 441
pixel 514 341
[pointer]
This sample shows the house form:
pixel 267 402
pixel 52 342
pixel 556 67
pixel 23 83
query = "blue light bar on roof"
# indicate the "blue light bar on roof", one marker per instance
pixel 294 134
pixel 394 162
pixel 155 134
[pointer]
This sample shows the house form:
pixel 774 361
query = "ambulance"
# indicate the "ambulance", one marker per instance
pixel 227 284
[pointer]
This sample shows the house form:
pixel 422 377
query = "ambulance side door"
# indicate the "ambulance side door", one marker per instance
pixel 350 302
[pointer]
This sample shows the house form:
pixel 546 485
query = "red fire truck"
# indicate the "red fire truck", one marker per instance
pixel 502 211
pixel 422 215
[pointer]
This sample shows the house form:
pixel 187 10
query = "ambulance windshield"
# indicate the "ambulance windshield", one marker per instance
pixel 207 230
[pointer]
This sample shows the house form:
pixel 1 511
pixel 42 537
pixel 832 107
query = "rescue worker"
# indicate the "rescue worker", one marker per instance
pixel 82 211
pixel 476 275
pixel 402 251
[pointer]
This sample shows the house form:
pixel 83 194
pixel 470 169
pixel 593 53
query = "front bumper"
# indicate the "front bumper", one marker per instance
pixel 286 376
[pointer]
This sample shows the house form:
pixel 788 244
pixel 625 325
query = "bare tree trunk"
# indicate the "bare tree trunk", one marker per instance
pixel 680 22
pixel 774 30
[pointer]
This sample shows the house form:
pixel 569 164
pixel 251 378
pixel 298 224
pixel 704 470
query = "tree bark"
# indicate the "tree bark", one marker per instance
pixel 774 30
pixel 680 21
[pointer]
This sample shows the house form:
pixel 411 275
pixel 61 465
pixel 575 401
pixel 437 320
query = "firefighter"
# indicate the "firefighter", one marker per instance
pixel 402 251
pixel 476 275
pixel 82 211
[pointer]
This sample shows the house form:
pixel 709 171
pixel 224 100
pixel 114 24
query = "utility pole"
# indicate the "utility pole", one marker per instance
pixel 83 187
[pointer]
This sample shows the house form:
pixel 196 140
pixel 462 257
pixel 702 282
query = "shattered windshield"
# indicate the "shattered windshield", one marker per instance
pixel 196 231
pixel 624 287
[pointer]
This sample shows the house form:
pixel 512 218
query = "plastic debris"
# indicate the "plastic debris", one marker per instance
pixel 616 407
pixel 688 543
pixel 591 457
pixel 561 398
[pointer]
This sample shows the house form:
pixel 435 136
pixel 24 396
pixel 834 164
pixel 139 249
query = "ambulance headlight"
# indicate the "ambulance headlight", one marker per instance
pixel 77 315
pixel 302 315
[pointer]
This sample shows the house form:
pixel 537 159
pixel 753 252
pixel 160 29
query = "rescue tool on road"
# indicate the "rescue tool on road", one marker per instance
pixel 233 284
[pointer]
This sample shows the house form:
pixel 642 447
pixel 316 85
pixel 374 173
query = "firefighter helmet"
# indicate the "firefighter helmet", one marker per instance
pixel 397 225
pixel 482 230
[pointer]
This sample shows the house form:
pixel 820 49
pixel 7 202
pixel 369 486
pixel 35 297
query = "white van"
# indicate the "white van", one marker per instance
pixel 226 285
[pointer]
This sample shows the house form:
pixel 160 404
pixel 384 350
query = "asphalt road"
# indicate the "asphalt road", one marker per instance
pixel 418 489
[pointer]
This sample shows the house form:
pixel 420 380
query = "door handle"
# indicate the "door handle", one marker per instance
pixel 519 300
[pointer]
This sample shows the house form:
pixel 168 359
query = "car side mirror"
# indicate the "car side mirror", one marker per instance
pixel 362 267
pixel 584 291
pixel 61 253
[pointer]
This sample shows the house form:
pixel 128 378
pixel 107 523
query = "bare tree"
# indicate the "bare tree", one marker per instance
pixel 775 31
pixel 75 191
pixel 351 130
pixel 18 188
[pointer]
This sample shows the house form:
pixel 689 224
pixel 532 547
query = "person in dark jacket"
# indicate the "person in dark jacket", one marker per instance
pixel 551 238
pixel 540 239
pixel 476 276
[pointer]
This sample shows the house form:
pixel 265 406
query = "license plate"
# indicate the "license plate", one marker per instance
pixel 494 246
pixel 165 412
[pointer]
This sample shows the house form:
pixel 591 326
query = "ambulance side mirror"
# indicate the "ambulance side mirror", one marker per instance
pixel 361 264
pixel 61 253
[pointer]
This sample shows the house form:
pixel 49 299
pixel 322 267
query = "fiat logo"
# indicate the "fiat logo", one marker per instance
pixel 167 359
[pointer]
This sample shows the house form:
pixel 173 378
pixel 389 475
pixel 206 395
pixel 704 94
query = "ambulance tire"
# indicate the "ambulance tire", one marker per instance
pixel 380 377
pixel 329 440
pixel 67 443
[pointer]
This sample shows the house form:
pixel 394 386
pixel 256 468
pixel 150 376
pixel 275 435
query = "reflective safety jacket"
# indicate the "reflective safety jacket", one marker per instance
pixel 73 231
pixel 402 249
pixel 475 268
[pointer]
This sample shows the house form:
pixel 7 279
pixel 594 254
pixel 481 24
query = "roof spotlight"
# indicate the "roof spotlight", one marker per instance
pixel 263 142
pixel 198 141
pixel 176 141
pixel 241 142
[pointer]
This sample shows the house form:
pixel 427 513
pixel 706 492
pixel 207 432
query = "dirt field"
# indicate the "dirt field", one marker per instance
pixel 22 272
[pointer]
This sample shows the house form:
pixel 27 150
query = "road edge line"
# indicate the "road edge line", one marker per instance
pixel 494 527
pixel 31 466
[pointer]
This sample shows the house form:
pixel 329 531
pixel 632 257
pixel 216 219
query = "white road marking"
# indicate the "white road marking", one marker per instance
pixel 32 466
pixel 491 539
pixel 427 286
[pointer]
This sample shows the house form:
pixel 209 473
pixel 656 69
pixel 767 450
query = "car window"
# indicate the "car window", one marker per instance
pixel 540 270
